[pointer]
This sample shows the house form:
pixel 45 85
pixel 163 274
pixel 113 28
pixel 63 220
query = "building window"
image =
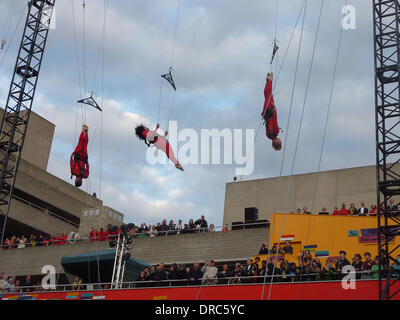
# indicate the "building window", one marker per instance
pixel 85 213
pixel 110 214
pixel 97 212
pixel 91 212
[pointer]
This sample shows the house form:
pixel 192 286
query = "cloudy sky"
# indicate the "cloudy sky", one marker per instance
pixel 221 57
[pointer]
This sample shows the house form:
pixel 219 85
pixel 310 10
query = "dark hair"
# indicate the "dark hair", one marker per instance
pixel 344 252
pixel 139 133
pixel 78 182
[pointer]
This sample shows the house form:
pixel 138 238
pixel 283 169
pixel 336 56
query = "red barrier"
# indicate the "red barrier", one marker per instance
pixel 365 290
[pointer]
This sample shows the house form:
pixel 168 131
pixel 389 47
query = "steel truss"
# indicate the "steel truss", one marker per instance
pixel 20 98
pixel 386 15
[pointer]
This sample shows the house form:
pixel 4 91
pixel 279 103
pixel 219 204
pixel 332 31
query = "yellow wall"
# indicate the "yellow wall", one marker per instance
pixel 329 233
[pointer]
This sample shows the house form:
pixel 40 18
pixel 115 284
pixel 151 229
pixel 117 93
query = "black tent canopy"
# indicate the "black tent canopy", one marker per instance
pixel 97 267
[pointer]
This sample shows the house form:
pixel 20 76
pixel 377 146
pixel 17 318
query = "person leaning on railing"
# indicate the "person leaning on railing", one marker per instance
pixel 357 264
pixel 160 275
pixel 264 249
pixel 202 224
pixel 143 280
pixel 327 273
pixel 248 271
pixel 77 284
pixel 284 271
pixel 195 274
pixel 172 274
pixel 224 273
pixel 340 264
pixel 181 274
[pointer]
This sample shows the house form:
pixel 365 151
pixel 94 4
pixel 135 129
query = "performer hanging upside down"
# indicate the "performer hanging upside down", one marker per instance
pixel 152 137
pixel 79 158
pixel 270 116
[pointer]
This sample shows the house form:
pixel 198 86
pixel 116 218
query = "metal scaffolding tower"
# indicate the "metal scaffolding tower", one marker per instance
pixel 386 15
pixel 122 254
pixel 20 98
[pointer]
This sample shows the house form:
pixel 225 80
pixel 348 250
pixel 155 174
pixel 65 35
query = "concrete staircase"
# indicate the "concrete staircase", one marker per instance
pixel 220 246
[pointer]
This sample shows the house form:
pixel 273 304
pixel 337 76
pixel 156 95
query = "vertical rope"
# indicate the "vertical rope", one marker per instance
pixel 171 109
pixel 291 105
pixel 276 18
pixel 12 36
pixel 175 32
pixel 84 51
pixel 279 72
pixel 323 142
pixel 101 122
pixel 171 67
pixel 328 110
pixel 159 100
pixel 77 65
pixel 10 17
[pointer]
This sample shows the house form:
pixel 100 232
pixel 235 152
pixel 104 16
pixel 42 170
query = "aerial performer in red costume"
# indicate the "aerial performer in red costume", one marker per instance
pixel 79 158
pixel 270 116
pixel 152 137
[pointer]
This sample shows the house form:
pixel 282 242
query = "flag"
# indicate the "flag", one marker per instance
pixel 289 237
pixel 310 248
pixel 322 254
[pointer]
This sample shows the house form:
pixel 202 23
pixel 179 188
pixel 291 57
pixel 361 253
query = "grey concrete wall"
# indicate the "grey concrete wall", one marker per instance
pixel 33 179
pixel 237 244
pixel 38 140
pixel 328 189
pixel 38 219
pixel 99 218
pixel 57 192
pixel 52 190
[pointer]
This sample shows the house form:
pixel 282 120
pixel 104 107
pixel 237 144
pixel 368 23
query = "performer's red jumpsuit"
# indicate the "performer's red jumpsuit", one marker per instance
pixel 269 113
pixel 79 158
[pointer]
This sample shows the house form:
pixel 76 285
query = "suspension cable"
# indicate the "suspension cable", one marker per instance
pixel 278 74
pixel 291 106
pixel 302 114
pixel 175 32
pixel 10 16
pixel 84 50
pixel 3 58
pixel 316 176
pixel 78 70
pixel 178 11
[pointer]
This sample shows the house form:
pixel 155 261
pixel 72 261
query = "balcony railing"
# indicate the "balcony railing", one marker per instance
pixel 219 281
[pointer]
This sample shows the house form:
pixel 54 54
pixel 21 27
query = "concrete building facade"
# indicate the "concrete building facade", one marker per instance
pixel 325 189
pixel 43 203
pixel 99 217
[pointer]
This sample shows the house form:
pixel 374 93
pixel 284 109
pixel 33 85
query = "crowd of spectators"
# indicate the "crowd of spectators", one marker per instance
pixel 275 268
pixel 10 284
pixel 257 271
pixel 13 285
pixel 172 228
pixel 312 269
pixel 353 210
pixel 151 231
pixel 111 232
pixel 23 242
